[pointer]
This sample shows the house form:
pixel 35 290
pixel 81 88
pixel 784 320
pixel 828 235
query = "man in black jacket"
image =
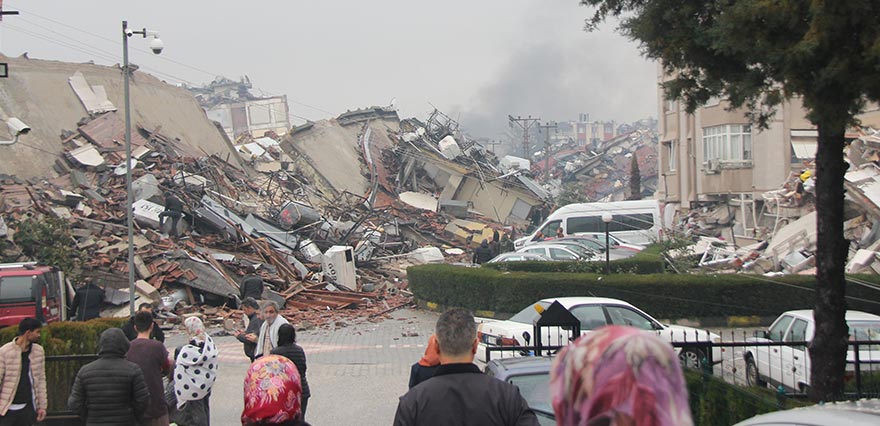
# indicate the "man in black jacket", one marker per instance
pixel 483 253
pixel 87 302
pixel 174 210
pixel 252 284
pixel 155 334
pixel 459 394
pixel 248 337
pixel 111 390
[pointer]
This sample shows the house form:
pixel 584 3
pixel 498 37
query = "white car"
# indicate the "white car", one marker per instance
pixel 593 312
pixel 560 252
pixel 789 366
pixel 518 257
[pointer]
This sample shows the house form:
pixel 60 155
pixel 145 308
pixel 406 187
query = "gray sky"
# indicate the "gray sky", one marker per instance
pixel 476 60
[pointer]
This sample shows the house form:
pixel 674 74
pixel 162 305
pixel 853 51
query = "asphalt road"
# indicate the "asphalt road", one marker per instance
pixel 356 373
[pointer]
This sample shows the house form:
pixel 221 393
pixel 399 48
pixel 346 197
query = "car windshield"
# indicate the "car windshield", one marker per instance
pixel 529 314
pixel 535 388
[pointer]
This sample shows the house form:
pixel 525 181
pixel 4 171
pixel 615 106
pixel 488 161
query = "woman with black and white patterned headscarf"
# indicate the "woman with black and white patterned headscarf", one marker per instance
pixel 195 372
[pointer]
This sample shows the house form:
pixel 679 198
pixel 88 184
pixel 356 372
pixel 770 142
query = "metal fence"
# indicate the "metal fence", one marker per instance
pixel 60 373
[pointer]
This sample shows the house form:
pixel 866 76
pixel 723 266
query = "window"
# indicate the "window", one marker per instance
pixel 529 314
pixel 561 254
pixel 778 329
pixel 669 105
pixel 671 151
pixel 727 143
pixel 625 316
pixel 797 333
pixel 538 251
pixel 619 222
pixel 591 317
pixel 16 289
pixel 549 230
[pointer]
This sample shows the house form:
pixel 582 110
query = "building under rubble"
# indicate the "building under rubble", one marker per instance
pixel 239 112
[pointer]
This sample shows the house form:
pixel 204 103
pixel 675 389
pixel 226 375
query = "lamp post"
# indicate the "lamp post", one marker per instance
pixel 607 218
pixel 156 46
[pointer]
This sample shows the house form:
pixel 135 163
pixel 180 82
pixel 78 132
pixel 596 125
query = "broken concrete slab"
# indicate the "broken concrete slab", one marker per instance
pixel 861 261
pixel 798 235
pixel 426 255
pixel 419 200
pixel 88 156
pixel 146 213
pixel 146 187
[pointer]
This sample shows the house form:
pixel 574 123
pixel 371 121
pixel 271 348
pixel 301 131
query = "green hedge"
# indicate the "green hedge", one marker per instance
pixel 648 261
pixel 716 402
pixel 669 296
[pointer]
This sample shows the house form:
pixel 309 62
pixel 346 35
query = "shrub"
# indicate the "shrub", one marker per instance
pixel 668 296
pixel 716 402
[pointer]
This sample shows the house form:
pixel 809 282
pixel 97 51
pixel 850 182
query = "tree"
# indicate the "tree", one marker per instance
pixel 635 179
pixel 48 241
pixel 757 54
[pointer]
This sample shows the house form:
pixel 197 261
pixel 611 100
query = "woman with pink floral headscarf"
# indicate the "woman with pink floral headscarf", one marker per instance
pixel 272 393
pixel 619 376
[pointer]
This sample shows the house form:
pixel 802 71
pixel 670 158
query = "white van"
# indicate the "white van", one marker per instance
pixel 637 222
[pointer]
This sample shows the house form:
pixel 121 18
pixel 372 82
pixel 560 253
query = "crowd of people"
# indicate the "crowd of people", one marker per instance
pixel 612 376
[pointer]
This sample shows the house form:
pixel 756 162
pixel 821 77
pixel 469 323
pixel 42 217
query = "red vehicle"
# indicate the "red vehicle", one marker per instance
pixel 30 290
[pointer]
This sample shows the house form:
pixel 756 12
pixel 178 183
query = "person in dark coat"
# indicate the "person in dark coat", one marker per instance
pixel 506 244
pixel 425 368
pixel 459 393
pixel 252 285
pixel 111 390
pixel 87 302
pixel 156 333
pixel 288 348
pixel 174 210
pixel 248 337
pixel 483 253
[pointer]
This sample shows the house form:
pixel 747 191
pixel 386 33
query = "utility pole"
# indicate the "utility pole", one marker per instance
pixel 524 123
pixel 492 144
pixel 545 128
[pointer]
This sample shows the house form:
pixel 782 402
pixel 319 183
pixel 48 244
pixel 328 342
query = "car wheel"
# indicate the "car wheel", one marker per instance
pixel 752 376
pixel 691 358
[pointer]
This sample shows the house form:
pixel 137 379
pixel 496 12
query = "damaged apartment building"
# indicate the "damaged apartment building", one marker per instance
pixel 738 186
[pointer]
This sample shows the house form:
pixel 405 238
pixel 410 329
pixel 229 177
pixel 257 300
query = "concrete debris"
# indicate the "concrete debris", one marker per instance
pixel 426 255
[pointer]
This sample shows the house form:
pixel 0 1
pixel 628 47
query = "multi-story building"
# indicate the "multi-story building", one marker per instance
pixel 715 154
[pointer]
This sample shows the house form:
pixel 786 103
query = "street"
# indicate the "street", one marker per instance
pixel 356 373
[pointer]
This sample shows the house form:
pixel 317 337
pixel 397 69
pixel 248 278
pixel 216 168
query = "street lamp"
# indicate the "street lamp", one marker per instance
pixel 607 218
pixel 156 46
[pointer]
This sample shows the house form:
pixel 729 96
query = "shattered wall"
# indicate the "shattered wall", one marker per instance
pixel 38 93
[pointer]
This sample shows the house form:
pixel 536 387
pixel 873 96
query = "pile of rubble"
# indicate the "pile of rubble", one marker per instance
pixel 328 255
pixel 776 234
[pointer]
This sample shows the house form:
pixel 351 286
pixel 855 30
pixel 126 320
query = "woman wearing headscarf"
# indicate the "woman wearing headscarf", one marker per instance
pixel 288 348
pixel 272 393
pixel 195 371
pixel 425 368
pixel 619 376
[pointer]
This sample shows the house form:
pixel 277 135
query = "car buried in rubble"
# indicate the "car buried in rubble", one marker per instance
pixel 592 312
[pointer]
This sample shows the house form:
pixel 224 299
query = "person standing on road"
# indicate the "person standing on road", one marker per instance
pixel 483 253
pixel 174 210
pixel 23 377
pixel 268 338
pixel 111 390
pixel 248 337
pixel 87 301
pixel 252 285
pixel 288 348
pixel 272 393
pixel 195 371
pixel 152 357
pixel 131 333
pixel 427 366
pixel 619 376
pixel 459 394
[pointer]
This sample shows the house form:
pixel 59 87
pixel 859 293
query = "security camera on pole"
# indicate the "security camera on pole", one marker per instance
pixel 156 46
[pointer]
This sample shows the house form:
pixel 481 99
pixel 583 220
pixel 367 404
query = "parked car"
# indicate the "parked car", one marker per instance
pixel 789 366
pixel 560 252
pixel 616 242
pixel 518 257
pixel 593 312
pixel 532 376
pixel 864 412
pixel 31 290
pixel 594 244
